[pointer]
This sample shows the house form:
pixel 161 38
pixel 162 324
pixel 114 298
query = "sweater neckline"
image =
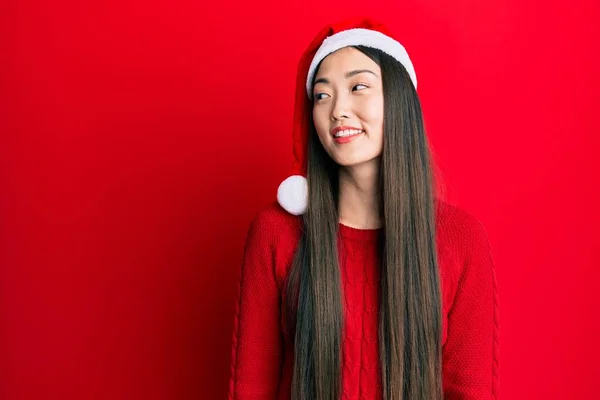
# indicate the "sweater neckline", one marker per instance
pixel 359 234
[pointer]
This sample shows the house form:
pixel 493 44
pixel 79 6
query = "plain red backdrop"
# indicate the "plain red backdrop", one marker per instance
pixel 138 139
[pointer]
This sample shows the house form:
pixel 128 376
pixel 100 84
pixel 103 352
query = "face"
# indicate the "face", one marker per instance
pixel 348 93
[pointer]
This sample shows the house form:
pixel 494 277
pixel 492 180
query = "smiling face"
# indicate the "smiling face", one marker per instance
pixel 348 93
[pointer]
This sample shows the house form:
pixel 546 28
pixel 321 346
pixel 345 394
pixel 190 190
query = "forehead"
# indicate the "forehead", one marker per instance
pixel 344 60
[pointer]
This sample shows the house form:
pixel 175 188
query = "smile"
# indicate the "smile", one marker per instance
pixel 347 135
pixel 347 132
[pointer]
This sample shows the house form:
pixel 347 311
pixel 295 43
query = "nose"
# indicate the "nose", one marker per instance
pixel 340 108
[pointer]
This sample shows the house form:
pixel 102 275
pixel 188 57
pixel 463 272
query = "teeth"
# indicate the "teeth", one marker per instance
pixel 347 132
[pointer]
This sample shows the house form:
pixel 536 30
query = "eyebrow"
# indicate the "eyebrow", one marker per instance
pixel 348 74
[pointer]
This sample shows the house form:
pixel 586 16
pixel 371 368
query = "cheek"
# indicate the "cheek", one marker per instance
pixel 320 121
pixel 372 114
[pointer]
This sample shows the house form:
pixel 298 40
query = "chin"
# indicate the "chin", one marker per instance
pixel 358 162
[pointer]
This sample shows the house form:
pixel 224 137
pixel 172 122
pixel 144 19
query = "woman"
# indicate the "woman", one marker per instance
pixel 360 283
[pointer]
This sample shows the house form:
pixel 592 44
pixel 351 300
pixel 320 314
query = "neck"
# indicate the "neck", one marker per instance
pixel 359 196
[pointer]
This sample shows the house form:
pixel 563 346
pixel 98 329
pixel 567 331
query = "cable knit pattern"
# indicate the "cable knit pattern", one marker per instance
pixel 360 273
pixel 262 361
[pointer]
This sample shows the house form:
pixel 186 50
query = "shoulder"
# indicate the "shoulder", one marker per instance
pixel 463 248
pixel 460 230
pixel 275 234
pixel 272 221
pixel 465 259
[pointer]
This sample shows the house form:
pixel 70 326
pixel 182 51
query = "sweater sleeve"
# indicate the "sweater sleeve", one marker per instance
pixel 471 352
pixel 257 342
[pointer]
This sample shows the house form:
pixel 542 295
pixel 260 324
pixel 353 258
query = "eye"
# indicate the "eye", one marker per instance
pixel 316 96
pixel 360 84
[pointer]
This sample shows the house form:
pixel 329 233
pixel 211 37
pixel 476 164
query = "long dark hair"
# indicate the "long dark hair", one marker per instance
pixel 410 300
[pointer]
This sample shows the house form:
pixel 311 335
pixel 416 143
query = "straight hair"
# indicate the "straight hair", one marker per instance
pixel 410 306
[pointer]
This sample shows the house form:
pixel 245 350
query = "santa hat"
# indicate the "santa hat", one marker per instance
pixel 292 193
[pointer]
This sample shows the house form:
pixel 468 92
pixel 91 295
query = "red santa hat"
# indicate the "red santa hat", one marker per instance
pixel 292 193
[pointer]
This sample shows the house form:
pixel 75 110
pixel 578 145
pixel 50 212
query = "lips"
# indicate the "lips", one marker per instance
pixel 337 129
pixel 347 135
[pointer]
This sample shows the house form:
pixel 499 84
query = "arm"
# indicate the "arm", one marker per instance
pixel 471 353
pixel 256 346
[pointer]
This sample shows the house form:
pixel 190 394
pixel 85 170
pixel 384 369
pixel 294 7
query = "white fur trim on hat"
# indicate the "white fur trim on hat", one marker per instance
pixel 365 37
pixel 292 194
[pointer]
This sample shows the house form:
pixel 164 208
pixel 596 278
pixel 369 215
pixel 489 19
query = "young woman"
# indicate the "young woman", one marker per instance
pixel 360 282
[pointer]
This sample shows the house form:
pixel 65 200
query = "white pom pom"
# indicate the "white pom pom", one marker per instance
pixel 292 194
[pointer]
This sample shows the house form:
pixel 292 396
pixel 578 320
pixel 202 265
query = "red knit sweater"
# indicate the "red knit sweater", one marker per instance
pixel 262 360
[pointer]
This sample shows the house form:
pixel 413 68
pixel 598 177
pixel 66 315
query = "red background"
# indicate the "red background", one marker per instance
pixel 138 139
